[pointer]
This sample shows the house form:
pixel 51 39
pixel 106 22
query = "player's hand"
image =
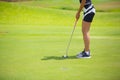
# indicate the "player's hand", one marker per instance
pixel 77 16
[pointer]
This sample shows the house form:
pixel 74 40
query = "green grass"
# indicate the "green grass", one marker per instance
pixel 33 39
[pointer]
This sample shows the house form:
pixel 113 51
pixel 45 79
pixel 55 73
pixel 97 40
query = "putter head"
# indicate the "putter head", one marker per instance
pixel 65 56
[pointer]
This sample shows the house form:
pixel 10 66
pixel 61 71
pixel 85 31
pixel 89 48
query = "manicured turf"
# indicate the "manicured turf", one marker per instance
pixel 33 41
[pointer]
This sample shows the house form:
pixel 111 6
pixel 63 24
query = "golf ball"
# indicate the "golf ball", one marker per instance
pixel 65 56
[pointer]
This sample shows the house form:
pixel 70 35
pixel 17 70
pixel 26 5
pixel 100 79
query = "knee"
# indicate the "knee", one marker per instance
pixel 85 33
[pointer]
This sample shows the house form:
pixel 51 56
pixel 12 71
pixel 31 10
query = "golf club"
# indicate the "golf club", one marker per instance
pixel 66 55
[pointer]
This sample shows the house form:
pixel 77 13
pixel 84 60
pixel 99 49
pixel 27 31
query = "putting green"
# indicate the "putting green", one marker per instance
pixel 33 41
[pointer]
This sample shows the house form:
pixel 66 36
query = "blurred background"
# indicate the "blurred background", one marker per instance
pixel 34 35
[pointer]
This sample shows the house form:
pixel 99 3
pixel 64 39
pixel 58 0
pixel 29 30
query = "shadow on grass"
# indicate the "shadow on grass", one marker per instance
pixel 58 58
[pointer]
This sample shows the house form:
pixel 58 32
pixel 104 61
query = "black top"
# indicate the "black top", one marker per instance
pixel 88 2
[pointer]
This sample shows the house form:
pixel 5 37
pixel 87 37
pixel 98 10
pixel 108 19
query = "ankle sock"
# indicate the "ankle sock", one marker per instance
pixel 87 52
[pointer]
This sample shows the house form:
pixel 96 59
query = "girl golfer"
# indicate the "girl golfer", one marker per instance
pixel 89 12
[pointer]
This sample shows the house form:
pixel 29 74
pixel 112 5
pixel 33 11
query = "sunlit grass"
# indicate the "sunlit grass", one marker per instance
pixel 34 39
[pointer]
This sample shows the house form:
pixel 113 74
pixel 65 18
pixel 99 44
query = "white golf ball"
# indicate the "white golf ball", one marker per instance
pixel 65 56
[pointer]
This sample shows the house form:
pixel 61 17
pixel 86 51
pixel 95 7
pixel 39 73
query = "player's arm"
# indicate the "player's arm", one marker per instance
pixel 80 9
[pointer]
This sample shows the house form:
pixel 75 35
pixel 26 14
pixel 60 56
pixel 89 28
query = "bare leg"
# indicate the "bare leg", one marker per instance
pixel 86 36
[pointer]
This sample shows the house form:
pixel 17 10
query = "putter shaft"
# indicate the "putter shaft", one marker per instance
pixel 70 38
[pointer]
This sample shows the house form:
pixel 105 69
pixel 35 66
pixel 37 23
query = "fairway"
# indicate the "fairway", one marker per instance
pixel 34 39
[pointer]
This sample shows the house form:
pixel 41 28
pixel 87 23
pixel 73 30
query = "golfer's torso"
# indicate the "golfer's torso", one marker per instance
pixel 88 7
